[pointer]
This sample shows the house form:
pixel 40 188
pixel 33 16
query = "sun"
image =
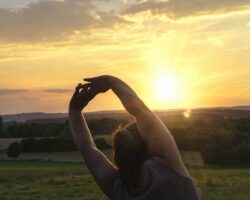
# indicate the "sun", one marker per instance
pixel 166 88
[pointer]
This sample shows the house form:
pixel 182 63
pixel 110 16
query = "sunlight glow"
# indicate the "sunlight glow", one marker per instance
pixel 166 88
pixel 187 113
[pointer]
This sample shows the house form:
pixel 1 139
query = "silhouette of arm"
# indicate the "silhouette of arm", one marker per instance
pixel 98 164
pixel 155 134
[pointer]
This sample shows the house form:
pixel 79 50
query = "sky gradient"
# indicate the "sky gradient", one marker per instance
pixel 200 47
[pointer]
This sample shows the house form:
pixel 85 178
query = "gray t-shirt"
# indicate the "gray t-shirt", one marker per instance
pixel 160 183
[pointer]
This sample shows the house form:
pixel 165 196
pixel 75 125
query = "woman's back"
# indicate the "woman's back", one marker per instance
pixel 159 182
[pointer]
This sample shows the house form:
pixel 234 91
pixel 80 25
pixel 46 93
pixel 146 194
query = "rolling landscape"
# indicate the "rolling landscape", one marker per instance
pixel 66 173
pixel 235 111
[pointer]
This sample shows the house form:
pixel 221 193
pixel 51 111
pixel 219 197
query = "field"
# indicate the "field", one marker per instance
pixel 24 180
pixel 46 180
pixel 63 176
pixel 189 157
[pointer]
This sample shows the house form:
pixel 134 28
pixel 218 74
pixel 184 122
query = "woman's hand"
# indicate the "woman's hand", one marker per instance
pixel 100 84
pixel 82 96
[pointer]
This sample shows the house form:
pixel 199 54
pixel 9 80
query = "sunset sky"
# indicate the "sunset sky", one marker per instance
pixel 175 53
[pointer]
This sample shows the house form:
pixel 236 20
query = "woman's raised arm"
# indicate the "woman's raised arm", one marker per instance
pixel 98 164
pixel 157 137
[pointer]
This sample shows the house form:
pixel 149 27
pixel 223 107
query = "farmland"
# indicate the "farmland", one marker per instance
pixel 45 175
pixel 53 180
pixel 189 157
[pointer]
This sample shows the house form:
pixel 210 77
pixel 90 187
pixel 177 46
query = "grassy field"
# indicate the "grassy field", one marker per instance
pixel 71 181
pixel 67 178
pixel 190 158
pixel 55 156
pixel 46 180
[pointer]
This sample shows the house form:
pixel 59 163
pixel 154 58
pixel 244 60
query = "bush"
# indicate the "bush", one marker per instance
pixel 227 149
pixel 48 145
pixel 14 150
pixel 29 145
pixel 102 144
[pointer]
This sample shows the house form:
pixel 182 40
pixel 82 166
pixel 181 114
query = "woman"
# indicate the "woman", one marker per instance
pixel 147 163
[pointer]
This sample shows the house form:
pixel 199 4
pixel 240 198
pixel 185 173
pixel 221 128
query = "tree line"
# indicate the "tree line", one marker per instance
pixel 33 129
pixel 220 139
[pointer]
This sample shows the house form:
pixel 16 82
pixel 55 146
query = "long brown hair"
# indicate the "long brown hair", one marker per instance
pixel 130 153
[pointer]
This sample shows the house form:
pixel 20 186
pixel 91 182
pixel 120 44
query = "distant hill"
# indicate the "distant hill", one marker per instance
pixel 241 107
pixel 121 115
pixel 22 117
pixel 61 117
pixel 237 111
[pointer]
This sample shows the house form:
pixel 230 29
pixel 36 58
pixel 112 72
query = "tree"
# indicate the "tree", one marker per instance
pixel 14 150
pixel 66 133
pixel 199 123
pixel 101 143
pixel 1 127
pixel 29 145
pixel 227 149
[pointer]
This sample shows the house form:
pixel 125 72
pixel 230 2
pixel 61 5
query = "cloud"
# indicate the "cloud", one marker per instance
pixel 20 91
pixel 215 41
pixel 13 91
pixel 58 90
pixel 176 9
pixel 15 3
pixel 53 20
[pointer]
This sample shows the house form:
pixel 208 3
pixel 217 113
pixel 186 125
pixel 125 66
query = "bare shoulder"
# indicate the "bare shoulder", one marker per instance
pixel 150 126
pixel 159 141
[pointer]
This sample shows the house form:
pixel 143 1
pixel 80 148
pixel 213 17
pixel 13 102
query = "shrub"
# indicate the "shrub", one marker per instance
pixel 14 150
pixel 48 145
pixel 227 149
pixel 102 144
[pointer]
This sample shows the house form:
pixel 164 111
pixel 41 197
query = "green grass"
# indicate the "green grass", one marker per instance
pixel 39 165
pixel 190 158
pixel 74 156
pixel 223 183
pixel 46 180
pixel 71 181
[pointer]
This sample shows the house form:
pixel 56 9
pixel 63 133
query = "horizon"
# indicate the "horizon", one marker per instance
pixel 173 54
pixel 236 107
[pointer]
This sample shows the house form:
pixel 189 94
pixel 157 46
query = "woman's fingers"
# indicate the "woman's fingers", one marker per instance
pixel 85 86
pixel 78 86
pixel 81 88
pixel 77 89
pixel 87 90
pixel 91 94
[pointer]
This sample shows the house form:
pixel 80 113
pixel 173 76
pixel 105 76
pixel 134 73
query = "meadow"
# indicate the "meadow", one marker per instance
pixel 63 175
pixel 190 157
pixel 25 180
